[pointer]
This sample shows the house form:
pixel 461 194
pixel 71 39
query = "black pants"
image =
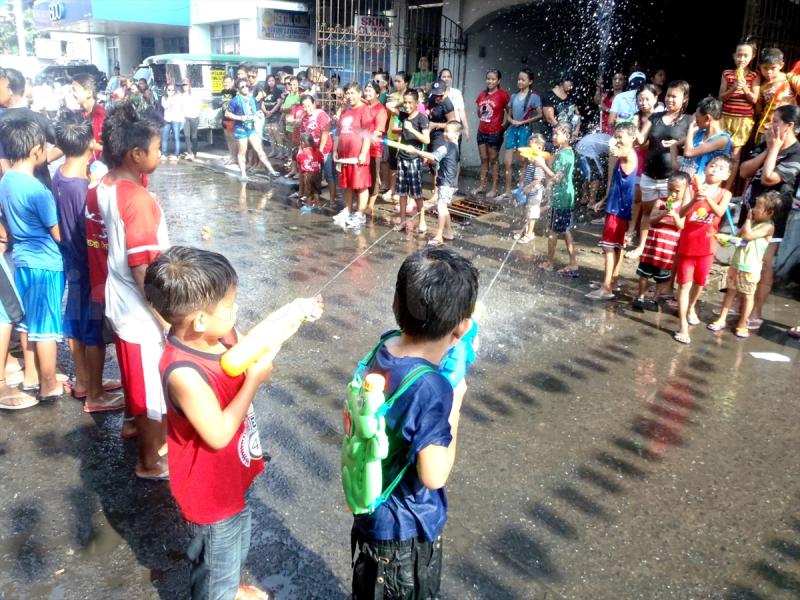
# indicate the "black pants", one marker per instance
pixel 190 131
pixel 408 570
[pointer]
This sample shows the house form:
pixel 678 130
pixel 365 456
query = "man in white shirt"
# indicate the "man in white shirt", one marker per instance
pixel 624 108
pixel 192 105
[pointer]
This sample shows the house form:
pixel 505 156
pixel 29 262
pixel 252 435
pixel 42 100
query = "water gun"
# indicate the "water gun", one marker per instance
pixel 399 146
pixel 530 152
pixel 778 92
pixel 670 202
pixel 726 240
pixel 458 359
pixel 347 161
pixel 269 335
pixel 740 74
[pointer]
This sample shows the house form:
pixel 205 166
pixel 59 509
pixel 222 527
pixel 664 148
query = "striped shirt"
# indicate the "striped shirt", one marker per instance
pixel 737 104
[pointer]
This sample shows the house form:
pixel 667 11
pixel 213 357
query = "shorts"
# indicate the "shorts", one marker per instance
pixel 745 282
pixel 649 271
pixel 242 133
pixel 444 197
pixel 517 136
pixel 693 269
pixel 739 128
pixel 614 230
pixel 393 569
pixel 141 378
pixel 653 189
pixel 535 203
pixel 560 220
pixel 493 140
pixel 83 319
pixel 409 177
pixel 375 174
pixel 328 169
pixel 228 126
pixel 41 291
pixel 592 168
pixel 10 302
pixel 355 177
pixel 311 183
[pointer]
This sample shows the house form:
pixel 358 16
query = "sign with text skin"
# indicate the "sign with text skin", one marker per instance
pixel 371 25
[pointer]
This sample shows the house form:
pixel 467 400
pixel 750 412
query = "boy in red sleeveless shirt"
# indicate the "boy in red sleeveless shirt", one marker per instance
pixel 703 207
pixel 214 447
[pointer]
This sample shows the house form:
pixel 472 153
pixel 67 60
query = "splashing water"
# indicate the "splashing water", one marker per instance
pixel 605 22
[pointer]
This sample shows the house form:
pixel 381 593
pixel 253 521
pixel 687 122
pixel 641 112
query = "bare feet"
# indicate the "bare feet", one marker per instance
pixel 129 429
pixel 158 471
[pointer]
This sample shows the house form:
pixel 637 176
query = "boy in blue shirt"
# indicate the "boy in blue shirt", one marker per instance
pixel 32 222
pixel 400 543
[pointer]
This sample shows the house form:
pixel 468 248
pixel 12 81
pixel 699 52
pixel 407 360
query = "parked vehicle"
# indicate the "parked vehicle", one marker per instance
pixel 206 72
pixel 64 73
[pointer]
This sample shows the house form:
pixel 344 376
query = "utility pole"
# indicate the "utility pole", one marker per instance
pixel 19 21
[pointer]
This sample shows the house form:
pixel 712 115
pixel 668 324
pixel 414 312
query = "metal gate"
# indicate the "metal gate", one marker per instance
pixel 356 38
pixel 774 23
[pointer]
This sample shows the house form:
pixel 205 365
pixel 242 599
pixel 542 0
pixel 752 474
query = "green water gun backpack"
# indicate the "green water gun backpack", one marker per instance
pixel 365 444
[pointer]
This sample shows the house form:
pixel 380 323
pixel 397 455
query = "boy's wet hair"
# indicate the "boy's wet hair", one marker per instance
pixel 411 93
pixel 436 290
pixel 771 56
pixel 87 82
pixel 562 128
pixel 74 133
pixel 773 202
pixel 627 127
pixel 710 107
pixel 679 177
pixel 538 138
pixel 125 129
pixel 306 140
pixel 305 97
pixel 454 125
pixel 721 158
pixel 183 280
pixel 353 85
pixel 20 135
pixel 16 81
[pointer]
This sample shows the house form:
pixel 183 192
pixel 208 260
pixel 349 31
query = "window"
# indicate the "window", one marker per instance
pixel 112 52
pixel 176 45
pixel 225 38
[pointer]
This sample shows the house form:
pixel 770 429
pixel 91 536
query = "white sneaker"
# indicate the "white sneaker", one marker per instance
pixel 356 221
pixel 342 217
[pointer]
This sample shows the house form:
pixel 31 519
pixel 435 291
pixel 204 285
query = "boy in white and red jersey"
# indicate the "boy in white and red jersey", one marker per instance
pixel 125 218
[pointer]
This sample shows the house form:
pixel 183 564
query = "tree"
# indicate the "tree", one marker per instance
pixel 8 31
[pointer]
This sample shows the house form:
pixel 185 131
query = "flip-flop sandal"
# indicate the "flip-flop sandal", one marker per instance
pixel 683 339
pixel 109 385
pixel 598 294
pixel 50 398
pixel 693 320
pixel 794 332
pixel 715 326
pixel 435 242
pixel 755 324
pixel 115 402
pixel 15 379
pixel 523 239
pixel 741 332
pixel 545 267
pixel 26 401
pixel 163 476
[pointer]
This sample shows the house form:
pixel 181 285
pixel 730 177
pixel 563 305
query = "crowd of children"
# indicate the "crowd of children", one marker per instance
pixel 171 311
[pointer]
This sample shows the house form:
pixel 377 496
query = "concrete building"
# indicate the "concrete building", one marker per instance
pixel 246 27
pixel 108 33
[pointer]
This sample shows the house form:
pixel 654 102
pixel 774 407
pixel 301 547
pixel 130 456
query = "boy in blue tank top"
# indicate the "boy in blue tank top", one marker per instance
pixel 618 204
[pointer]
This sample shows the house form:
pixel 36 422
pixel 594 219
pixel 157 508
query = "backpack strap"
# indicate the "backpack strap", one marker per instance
pixel 409 380
pixel 365 363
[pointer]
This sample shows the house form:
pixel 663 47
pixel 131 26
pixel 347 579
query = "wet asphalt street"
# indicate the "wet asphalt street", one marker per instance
pixel 597 458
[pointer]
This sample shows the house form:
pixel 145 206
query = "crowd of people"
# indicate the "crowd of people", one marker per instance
pixel 97 234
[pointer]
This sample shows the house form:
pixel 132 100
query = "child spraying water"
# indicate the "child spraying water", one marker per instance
pixel 533 190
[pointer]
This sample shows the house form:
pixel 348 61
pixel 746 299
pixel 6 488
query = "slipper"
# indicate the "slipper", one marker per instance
pixel 15 379
pixel 420 230
pixel 794 332
pixel 523 239
pixel 476 191
pixel 755 323
pixel 109 401
pixel 715 326
pixel 163 476
pixel 741 332
pixel 17 400
pixel 448 238
pixel 53 397
pixel 693 320
pixel 435 242
pixel 567 272
pixel 599 294
pixel 109 385
pixel 683 339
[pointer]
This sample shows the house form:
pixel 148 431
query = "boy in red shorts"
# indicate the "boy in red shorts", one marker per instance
pixel 619 204
pixel 353 143
pixel 698 221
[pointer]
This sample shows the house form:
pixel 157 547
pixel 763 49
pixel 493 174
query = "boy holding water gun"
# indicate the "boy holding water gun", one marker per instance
pixel 214 446
pixel 400 542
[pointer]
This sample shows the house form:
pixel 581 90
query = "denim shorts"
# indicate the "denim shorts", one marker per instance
pixel 216 554
pixel 517 136
pixel 493 140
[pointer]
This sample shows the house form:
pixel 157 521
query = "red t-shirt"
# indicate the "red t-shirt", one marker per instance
pixel 310 160
pixel 698 234
pixel 354 125
pixel 380 120
pixel 97 251
pixel 209 485
pixel 491 108
pixel 315 124
pixel 97 116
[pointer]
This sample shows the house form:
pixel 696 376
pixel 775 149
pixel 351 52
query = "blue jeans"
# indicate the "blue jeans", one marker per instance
pixel 216 554
pixel 175 126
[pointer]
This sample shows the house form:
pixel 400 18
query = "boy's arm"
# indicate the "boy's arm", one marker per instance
pixel 138 273
pixel 719 209
pixel 192 394
pixel 55 232
pixel 434 463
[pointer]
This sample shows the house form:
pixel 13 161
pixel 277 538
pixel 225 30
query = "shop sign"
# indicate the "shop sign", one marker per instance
pixel 372 25
pixel 284 25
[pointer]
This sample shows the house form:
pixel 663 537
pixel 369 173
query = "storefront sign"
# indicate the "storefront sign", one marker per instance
pixel 372 25
pixel 284 25
pixel 49 14
pixel 56 11
pixel 217 76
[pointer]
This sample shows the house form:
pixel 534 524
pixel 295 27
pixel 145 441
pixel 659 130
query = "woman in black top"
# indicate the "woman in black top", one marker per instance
pixel 664 133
